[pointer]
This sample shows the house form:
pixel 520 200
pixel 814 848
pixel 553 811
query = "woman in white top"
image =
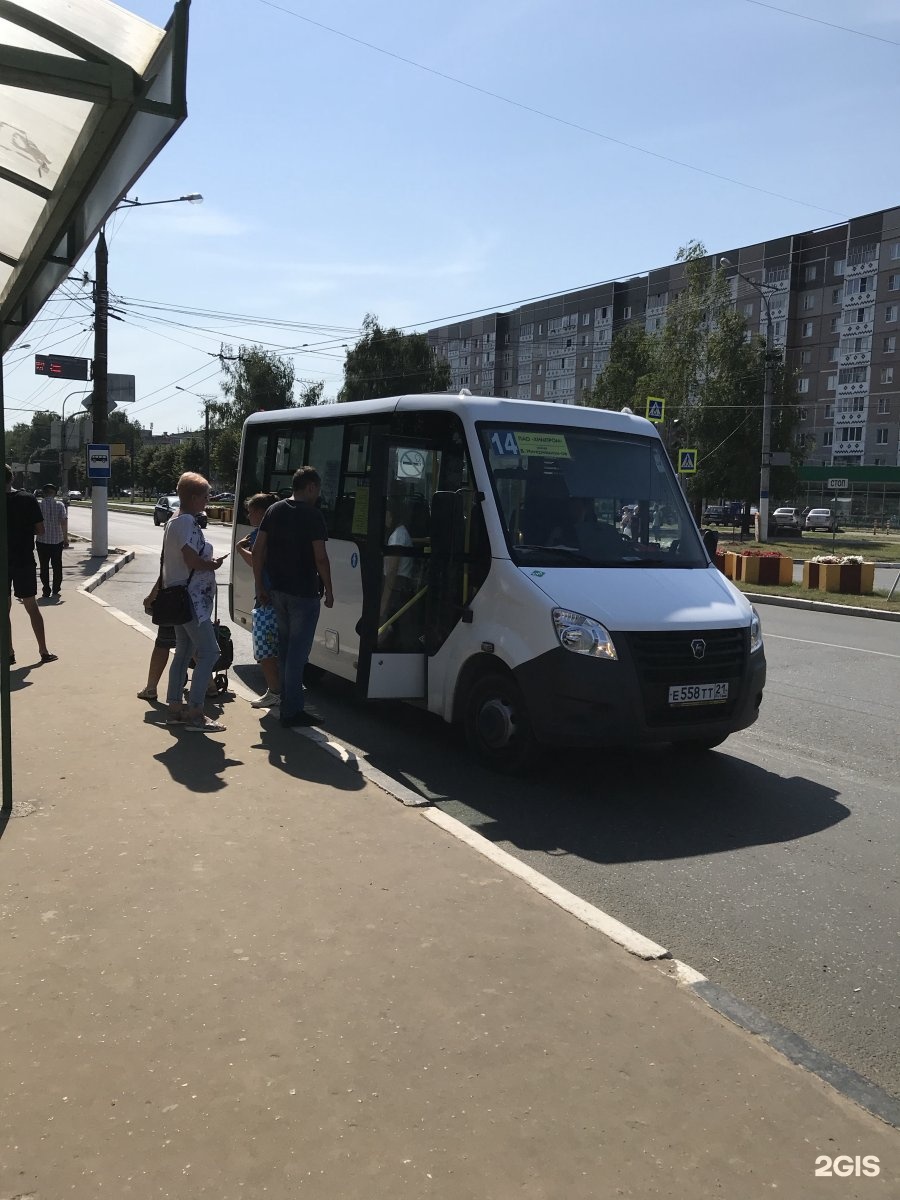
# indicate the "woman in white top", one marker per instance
pixel 185 550
pixel 399 571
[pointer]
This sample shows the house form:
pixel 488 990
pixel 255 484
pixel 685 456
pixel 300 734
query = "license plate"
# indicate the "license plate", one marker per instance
pixel 698 693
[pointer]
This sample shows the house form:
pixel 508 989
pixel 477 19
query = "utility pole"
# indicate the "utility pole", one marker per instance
pixel 99 495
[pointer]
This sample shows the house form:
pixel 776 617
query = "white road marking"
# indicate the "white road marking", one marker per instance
pixel 829 645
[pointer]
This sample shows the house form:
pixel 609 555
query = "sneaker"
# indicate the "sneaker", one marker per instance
pixel 45 594
pixel 269 700
pixel 147 693
pixel 48 657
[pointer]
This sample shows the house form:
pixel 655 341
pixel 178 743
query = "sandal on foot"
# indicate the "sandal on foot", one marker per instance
pixel 48 657
pixel 147 693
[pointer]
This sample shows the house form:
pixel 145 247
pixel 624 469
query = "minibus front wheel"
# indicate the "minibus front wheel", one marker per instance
pixel 498 728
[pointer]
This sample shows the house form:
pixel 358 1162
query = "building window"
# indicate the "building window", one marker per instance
pixel 585 318
pixel 839 264
pixel 860 316
pixel 887 374
pixel 853 434
pixel 803 385
pixel 884 406
pixel 835 326
pixel 894 283
pixel 805 357
pixel 538 368
pixel 748 310
pixel 890 312
pixel 833 353
pixel 603 313
pixel 627 313
pixel 881 436
pixel 836 294
pixel 830 385
pixel 829 408
pixel 828 437
pixel 807 330
pixel 895 251
pixel 889 345
pixel 537 390
pixel 809 274
pixel 804 414
pixel 809 302
pixel 584 361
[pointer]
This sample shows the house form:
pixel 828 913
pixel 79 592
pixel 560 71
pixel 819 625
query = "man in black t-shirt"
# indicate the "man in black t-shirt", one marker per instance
pixel 290 547
pixel 23 521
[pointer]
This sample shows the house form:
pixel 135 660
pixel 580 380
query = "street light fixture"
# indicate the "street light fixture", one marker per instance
pixel 207 400
pixel 99 512
pixel 765 464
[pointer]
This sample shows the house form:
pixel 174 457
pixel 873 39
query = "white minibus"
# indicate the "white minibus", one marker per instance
pixel 531 570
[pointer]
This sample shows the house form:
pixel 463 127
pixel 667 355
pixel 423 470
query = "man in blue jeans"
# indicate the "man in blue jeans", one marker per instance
pixel 290 546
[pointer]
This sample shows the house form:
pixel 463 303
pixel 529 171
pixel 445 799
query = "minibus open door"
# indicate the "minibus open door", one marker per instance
pixel 396 567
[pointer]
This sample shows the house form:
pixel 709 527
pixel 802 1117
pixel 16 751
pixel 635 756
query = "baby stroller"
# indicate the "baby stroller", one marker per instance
pixel 226 653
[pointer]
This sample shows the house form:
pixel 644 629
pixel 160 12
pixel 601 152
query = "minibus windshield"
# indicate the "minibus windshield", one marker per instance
pixel 588 498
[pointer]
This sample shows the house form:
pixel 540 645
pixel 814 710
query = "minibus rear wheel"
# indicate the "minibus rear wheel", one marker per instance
pixel 498 728
pixel 698 745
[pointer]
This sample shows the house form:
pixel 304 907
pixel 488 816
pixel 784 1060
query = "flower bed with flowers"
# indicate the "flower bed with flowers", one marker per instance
pixel 757 566
pixel 831 573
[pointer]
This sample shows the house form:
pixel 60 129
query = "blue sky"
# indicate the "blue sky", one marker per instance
pixel 339 180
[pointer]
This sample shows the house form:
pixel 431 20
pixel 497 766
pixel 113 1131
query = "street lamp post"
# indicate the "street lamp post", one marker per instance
pixel 99 512
pixel 207 400
pixel 63 469
pixel 765 464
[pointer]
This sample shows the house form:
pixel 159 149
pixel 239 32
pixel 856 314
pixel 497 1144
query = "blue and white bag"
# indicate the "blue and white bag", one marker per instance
pixel 264 630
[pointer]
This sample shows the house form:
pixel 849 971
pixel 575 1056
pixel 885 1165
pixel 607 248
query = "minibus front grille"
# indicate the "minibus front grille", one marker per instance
pixel 662 660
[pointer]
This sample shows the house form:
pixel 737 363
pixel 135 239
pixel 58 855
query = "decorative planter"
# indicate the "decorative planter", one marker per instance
pixel 854 579
pixel 721 561
pixel 754 568
pixel 731 564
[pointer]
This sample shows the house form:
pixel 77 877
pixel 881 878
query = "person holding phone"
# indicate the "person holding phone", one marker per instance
pixel 188 559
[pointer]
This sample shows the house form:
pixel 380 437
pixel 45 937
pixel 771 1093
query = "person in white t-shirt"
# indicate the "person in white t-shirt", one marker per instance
pixel 399 569
pixel 188 559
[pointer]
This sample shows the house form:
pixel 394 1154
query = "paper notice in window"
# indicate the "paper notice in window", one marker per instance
pixel 542 445
pixel 360 524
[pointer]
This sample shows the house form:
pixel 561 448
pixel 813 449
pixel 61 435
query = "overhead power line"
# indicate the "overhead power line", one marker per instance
pixel 539 112
pixel 788 12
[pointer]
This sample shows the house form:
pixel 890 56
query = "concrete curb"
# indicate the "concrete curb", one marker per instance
pixel 106 572
pixel 841 610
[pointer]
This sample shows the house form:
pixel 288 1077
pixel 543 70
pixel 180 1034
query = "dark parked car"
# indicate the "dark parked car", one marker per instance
pixel 717 514
pixel 168 506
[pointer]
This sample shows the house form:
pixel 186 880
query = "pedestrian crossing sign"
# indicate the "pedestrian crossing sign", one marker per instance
pixel 656 408
pixel 687 462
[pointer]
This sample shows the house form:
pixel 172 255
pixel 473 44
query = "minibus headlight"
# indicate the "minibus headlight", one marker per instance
pixel 582 635
pixel 756 639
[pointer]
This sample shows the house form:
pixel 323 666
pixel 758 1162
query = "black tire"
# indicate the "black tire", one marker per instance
pixel 498 728
pixel 156 520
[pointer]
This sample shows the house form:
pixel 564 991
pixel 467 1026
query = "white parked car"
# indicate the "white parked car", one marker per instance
pixel 821 518
pixel 786 518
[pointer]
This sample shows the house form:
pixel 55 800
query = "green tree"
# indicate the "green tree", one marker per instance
pixel 310 393
pixel 193 455
pixel 386 362
pixel 253 379
pixel 224 455
pixel 625 379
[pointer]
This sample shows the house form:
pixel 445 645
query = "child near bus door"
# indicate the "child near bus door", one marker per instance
pixel 264 627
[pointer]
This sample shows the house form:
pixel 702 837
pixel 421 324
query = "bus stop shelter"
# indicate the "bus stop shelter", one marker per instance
pixel 89 95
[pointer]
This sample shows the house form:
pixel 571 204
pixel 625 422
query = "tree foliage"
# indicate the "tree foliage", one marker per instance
pixel 711 371
pixel 252 380
pixel 386 362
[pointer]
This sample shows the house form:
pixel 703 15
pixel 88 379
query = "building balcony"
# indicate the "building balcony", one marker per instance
pixel 853 389
pixel 849 447
pixel 858 299
pixel 855 358
pixel 844 419
pixel 858 329
pixel 861 264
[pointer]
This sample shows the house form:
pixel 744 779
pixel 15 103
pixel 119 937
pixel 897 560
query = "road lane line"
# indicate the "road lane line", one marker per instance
pixel 829 645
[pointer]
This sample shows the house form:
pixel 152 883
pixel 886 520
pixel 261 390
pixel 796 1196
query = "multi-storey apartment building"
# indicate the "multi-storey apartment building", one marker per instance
pixel 834 300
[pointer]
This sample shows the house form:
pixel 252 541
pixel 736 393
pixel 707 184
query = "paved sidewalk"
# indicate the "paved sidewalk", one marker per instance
pixel 233 968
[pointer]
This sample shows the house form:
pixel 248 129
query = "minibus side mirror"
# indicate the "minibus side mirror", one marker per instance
pixel 711 542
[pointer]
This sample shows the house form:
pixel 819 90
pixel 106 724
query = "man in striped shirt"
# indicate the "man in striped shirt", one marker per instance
pixel 54 539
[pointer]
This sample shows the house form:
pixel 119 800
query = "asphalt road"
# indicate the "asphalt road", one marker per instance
pixel 771 866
